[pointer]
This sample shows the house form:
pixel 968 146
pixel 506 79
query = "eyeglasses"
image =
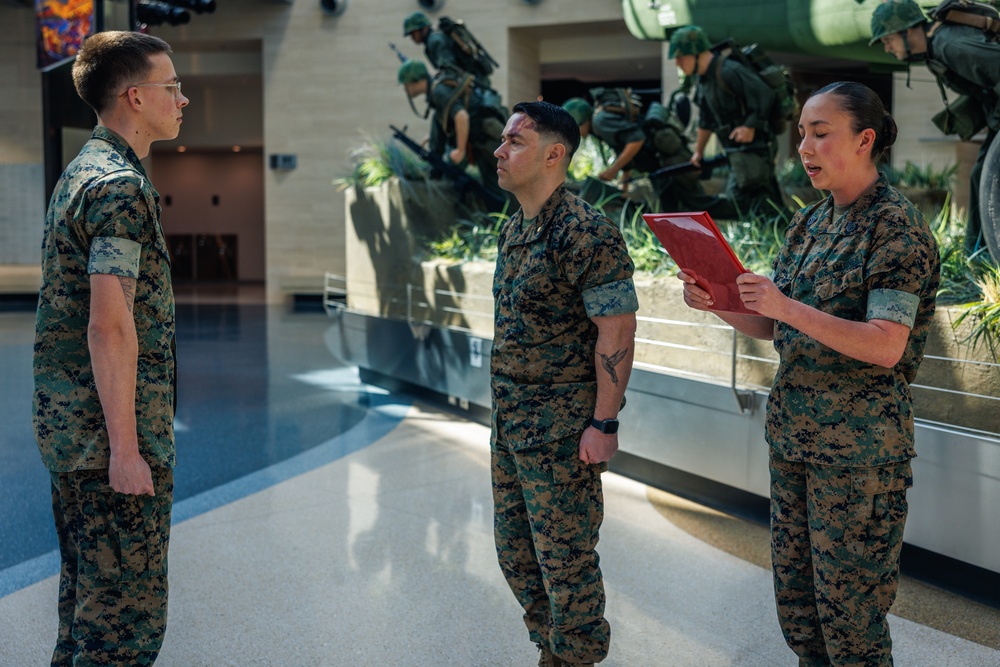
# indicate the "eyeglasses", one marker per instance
pixel 176 85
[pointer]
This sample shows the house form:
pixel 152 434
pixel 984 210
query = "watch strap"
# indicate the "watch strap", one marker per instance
pixel 606 426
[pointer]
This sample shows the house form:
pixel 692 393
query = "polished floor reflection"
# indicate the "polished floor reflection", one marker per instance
pixel 254 389
pixel 322 521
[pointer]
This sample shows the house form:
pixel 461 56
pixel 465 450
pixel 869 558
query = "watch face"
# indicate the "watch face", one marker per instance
pixel 608 426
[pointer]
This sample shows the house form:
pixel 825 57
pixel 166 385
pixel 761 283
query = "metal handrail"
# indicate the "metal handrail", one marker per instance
pixel 743 392
pixel 967 394
pixel 744 399
pixel 681 323
pixel 973 362
pixel 464 295
pixel 737 355
pixel 419 327
pixel 331 304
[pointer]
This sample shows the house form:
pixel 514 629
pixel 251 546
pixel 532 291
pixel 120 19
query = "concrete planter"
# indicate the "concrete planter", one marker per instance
pixel 387 231
pixel 389 275
pixel 676 339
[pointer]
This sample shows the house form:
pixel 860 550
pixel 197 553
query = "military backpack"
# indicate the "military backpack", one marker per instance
pixel 620 101
pixel 968 12
pixel 480 62
pixel 659 117
pixel 777 77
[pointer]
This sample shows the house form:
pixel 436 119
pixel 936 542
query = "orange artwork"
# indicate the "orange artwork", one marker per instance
pixel 62 27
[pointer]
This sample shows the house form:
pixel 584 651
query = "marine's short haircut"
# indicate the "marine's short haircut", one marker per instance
pixel 111 61
pixel 553 120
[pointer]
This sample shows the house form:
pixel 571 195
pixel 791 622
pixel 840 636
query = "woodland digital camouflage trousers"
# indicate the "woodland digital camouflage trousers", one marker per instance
pixel 836 534
pixel 113 582
pixel 548 509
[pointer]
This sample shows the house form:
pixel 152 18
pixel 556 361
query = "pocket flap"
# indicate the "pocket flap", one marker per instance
pixel 882 479
pixel 828 289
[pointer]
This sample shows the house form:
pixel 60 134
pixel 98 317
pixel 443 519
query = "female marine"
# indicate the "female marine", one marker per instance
pixel 848 308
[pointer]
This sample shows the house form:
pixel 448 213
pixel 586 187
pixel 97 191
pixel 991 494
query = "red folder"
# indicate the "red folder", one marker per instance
pixel 697 246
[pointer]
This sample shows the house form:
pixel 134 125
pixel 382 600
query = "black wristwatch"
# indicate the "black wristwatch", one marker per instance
pixel 605 426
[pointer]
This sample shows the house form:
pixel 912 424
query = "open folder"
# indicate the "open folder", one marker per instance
pixel 697 246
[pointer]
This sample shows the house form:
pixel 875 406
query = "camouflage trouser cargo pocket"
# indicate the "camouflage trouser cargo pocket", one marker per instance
pixel 880 493
pixel 836 535
pixel 117 541
pixel 113 580
pixel 574 493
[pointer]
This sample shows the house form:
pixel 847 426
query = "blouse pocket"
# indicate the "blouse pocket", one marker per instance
pixel 837 284
pixel 842 295
pixel 530 297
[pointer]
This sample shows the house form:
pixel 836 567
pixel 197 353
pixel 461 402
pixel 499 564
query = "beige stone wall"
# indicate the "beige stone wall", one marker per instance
pixel 391 275
pixel 20 87
pixel 386 241
pixel 328 83
pixel 22 190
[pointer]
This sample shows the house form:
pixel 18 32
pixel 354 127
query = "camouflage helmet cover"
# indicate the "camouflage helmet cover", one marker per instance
pixel 415 21
pixel 688 41
pixel 412 71
pixel 579 109
pixel 895 16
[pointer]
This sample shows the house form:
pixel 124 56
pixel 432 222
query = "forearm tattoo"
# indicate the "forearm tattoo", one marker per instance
pixel 609 363
pixel 128 289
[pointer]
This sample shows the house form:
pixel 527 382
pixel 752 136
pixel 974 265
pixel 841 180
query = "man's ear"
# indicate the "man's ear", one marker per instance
pixel 555 153
pixel 133 97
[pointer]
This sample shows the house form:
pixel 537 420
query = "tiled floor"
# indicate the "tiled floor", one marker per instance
pixel 320 521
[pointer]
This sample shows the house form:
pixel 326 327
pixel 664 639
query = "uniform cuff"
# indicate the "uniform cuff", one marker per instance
pixel 114 256
pixel 893 305
pixel 617 298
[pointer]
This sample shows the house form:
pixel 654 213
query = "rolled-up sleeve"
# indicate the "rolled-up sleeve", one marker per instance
pixel 614 298
pixel 118 208
pixel 114 256
pixel 893 305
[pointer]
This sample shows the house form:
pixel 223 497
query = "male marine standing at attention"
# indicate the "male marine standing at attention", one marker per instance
pixel 561 359
pixel 104 361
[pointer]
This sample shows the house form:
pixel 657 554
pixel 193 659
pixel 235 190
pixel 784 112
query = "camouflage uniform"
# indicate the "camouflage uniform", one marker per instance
pixel 963 59
pixel 553 274
pixel 841 430
pixel 662 147
pixel 730 98
pixel 104 219
pixel 450 92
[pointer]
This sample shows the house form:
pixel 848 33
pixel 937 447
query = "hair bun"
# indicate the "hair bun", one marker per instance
pixel 889 130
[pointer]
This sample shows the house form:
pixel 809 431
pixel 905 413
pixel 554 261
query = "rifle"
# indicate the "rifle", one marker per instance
pixel 706 167
pixel 399 54
pixel 463 182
